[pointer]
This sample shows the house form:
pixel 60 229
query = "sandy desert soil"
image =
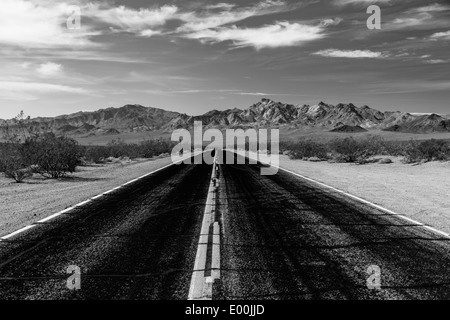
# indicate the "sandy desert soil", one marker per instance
pixel 37 198
pixel 421 192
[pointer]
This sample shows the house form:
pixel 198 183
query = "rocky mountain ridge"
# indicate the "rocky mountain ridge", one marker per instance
pixel 264 114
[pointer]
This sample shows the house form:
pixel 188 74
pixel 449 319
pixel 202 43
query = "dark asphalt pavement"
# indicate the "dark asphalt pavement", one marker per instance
pixel 285 238
pixel 136 243
pixel 282 238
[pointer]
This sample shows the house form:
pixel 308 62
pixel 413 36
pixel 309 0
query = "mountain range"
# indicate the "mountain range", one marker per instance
pixel 264 114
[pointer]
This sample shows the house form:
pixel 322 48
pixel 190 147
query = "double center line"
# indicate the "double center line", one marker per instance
pixel 207 261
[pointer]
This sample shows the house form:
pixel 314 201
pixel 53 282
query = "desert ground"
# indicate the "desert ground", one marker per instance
pixel 37 198
pixel 419 191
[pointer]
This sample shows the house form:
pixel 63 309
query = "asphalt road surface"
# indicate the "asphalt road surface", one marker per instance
pixel 282 238
pixel 285 238
pixel 136 243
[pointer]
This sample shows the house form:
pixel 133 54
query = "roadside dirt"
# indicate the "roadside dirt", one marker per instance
pixel 37 198
pixel 420 192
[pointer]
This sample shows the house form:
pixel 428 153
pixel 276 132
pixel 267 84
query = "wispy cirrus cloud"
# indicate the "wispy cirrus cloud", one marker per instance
pixel 436 7
pixel 140 21
pixel 198 21
pixel 279 34
pixel 436 61
pixel 221 5
pixel 352 54
pixel 148 22
pixel 20 90
pixel 440 36
pixel 424 17
pixel 359 2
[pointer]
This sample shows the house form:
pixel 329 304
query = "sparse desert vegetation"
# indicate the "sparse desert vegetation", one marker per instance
pixel 38 197
pixel 363 150
pixel 55 157
pixel 120 149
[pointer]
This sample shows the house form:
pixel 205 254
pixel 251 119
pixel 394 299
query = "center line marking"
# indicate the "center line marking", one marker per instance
pixel 201 286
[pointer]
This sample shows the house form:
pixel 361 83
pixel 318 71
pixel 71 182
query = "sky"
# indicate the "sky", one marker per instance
pixel 195 56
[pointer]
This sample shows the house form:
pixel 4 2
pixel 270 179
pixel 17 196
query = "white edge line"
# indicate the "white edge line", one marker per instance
pixel 17 232
pixel 88 201
pixel 376 206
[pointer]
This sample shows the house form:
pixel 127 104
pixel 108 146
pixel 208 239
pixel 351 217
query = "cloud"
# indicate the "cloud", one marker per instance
pixel 18 90
pixel 359 2
pixel 147 22
pixel 133 20
pixel 408 22
pixel 435 61
pixel 40 24
pixel 331 22
pixel 426 17
pixel 254 94
pixel 49 69
pixel 280 34
pixel 42 70
pixel 189 91
pixel 220 6
pixel 207 20
pixel 354 54
pixel 441 36
pixel 149 33
pixel 436 7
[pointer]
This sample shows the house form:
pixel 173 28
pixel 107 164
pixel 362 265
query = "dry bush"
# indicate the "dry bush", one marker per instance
pixel 308 149
pixel 120 149
pixel 12 163
pixel 428 150
pixel 53 157
pixel 356 151
pixel 19 175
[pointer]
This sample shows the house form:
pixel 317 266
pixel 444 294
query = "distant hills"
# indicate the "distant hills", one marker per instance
pixel 264 114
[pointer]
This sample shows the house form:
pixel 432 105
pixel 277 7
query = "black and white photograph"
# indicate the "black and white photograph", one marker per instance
pixel 224 156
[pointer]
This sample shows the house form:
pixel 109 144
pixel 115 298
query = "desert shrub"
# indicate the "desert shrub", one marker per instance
pixel 120 149
pixel 12 163
pixel 308 149
pixel 352 150
pixel 54 157
pixel 151 148
pixel 18 174
pixel 394 148
pixel 428 150
pixel 346 150
pixel 375 145
pixel 286 146
pixel 96 154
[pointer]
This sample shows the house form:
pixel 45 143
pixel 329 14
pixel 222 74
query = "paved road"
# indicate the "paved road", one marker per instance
pixel 282 238
pixel 137 243
pixel 285 238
